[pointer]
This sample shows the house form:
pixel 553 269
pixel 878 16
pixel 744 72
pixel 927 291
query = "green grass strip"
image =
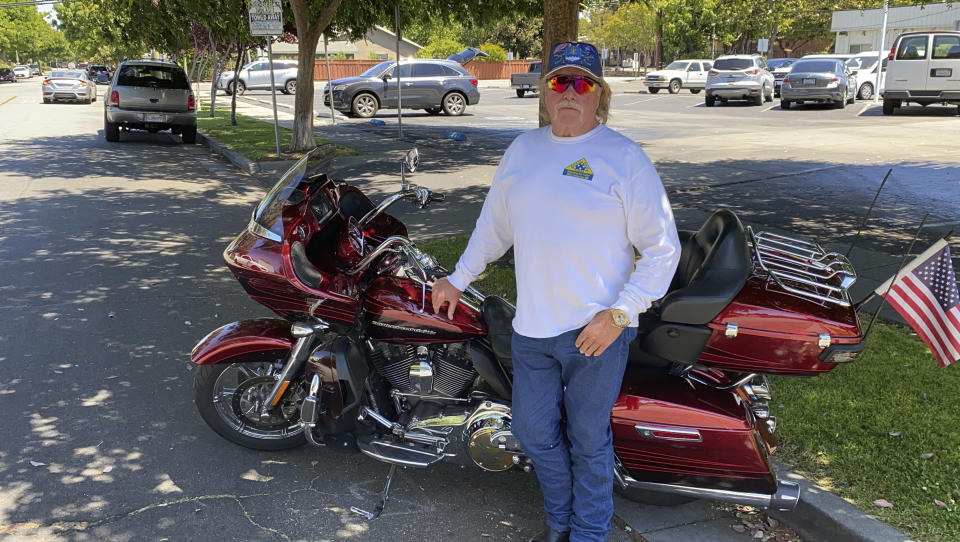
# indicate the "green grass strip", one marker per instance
pixel 252 137
pixel 838 429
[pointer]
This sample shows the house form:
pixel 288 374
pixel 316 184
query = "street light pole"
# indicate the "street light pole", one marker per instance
pixel 880 53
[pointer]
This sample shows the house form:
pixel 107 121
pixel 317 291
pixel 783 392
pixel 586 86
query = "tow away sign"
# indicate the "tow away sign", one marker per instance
pixel 266 18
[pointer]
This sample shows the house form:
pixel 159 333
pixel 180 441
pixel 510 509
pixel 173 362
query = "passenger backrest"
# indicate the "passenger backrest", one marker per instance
pixel 714 266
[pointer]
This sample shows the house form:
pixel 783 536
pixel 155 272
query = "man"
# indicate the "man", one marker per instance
pixel 573 198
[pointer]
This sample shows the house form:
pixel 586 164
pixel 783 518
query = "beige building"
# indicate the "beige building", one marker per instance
pixel 859 30
pixel 378 44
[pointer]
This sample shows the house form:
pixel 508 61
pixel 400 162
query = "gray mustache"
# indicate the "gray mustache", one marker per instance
pixel 568 103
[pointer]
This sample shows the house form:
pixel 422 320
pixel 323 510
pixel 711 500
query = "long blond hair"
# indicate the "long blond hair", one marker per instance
pixel 603 108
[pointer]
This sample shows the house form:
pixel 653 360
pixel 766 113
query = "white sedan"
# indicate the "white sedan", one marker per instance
pixel 22 72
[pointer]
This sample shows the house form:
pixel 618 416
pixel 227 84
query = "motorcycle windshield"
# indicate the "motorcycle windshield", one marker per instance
pixel 267 217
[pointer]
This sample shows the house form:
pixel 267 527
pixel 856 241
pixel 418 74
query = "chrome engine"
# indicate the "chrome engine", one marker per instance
pixel 444 370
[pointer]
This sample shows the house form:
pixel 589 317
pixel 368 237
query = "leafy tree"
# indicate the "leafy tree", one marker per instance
pixel 497 53
pixel 441 48
pixel 631 27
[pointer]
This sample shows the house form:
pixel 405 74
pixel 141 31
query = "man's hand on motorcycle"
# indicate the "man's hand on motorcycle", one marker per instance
pixel 445 293
pixel 598 335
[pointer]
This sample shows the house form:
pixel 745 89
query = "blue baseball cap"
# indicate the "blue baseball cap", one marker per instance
pixel 575 54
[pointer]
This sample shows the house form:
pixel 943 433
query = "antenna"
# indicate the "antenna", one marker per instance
pixel 903 261
pixel 869 210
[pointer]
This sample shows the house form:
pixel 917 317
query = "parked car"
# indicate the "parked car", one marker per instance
pixel 99 74
pixel 7 75
pixel 150 95
pixel 429 84
pixel 779 67
pixel 256 76
pixel 864 66
pixel 923 68
pixel 739 77
pixel 526 82
pixel 68 85
pixel 819 81
pixel 35 69
pixel 688 74
pixel 22 72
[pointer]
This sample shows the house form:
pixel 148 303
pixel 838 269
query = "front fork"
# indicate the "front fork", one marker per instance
pixel 306 336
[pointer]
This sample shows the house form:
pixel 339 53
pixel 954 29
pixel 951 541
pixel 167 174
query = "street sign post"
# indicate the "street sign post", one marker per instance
pixel 266 19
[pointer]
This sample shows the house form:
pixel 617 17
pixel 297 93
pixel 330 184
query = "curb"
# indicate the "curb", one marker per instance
pixel 269 167
pixel 824 517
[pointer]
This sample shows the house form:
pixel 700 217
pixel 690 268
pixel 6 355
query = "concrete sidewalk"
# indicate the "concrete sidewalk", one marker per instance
pixel 821 516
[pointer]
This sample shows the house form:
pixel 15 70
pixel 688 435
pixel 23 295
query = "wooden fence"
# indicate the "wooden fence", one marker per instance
pixel 480 70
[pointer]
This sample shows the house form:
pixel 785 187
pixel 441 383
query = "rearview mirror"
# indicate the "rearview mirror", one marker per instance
pixel 385 77
pixel 412 159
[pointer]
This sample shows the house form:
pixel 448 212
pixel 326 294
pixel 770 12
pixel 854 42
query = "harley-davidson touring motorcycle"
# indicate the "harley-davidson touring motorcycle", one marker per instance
pixel 357 360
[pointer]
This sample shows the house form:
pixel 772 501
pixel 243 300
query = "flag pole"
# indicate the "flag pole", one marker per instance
pixel 903 262
pixel 869 210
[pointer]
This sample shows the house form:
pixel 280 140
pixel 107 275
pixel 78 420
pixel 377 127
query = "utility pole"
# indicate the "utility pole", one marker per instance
pixel 713 40
pixel 880 52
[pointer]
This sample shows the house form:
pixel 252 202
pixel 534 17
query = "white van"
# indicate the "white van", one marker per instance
pixel 865 65
pixel 923 68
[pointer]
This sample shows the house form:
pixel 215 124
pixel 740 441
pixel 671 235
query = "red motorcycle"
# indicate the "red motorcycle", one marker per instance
pixel 357 360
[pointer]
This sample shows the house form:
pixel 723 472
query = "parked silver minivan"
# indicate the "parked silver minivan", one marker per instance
pixel 150 95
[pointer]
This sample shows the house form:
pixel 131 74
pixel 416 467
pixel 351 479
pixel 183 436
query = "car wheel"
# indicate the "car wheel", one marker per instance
pixel 290 87
pixel 674 86
pixel 454 104
pixel 768 97
pixel 188 134
pixel 695 90
pixel 866 91
pixel 241 88
pixel 709 101
pixel 520 93
pixel 433 110
pixel 46 100
pixel 758 99
pixel 784 104
pixel 843 101
pixel 229 90
pixel 111 131
pixel 653 90
pixel 365 105
pixel 889 106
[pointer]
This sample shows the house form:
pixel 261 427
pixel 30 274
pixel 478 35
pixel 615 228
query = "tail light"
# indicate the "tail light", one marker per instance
pixel 115 98
pixel 835 80
pixel 753 71
pixel 893 52
pixel 83 83
pixel 511 78
pixel 473 82
pixel 46 82
pixel 786 80
pixel 191 103
pixel 713 73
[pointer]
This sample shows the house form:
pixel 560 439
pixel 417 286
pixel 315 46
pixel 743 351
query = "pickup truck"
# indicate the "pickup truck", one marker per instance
pixel 526 82
pixel 689 74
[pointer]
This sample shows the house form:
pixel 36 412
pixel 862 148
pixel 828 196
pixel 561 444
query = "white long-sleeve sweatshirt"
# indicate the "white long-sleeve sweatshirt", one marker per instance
pixel 574 208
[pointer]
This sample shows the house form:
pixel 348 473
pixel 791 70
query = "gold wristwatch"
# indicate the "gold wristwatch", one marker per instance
pixel 620 318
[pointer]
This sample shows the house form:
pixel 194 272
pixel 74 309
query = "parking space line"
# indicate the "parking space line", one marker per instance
pixel 865 107
pixel 8 100
pixel 769 108
pixel 700 104
pixel 646 100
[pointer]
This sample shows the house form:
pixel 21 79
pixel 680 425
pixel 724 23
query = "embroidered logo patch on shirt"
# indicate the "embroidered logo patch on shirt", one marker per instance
pixel 579 169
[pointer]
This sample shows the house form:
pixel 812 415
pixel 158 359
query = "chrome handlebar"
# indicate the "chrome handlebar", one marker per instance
pixel 417 194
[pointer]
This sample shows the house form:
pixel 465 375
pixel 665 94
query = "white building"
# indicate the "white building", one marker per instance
pixel 859 31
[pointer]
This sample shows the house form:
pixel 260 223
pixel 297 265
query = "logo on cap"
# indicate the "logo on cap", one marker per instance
pixel 573 54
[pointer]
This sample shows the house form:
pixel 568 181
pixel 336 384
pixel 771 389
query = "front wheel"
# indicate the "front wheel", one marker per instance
pixel 866 91
pixel 365 105
pixel 290 87
pixel 230 397
pixel 241 88
pixel 674 87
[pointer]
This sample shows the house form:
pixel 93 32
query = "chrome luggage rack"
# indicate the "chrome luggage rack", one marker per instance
pixel 803 268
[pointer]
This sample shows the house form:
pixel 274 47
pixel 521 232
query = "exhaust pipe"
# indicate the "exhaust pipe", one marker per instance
pixel 785 499
pixel 309 411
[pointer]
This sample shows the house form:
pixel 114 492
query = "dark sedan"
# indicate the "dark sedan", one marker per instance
pixel 818 80
pixel 6 74
pixel 428 84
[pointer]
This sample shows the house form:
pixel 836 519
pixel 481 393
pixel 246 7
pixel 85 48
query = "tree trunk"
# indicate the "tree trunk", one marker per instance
pixel 560 23
pixel 236 74
pixel 658 51
pixel 308 35
pixel 213 84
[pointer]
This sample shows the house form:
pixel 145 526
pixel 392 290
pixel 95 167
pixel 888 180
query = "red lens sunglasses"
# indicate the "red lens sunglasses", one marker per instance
pixel 581 83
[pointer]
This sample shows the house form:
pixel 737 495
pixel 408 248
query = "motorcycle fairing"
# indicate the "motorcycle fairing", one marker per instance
pixel 666 430
pixel 257 335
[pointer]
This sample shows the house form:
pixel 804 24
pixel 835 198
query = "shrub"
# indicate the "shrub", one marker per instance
pixel 497 53
pixel 441 48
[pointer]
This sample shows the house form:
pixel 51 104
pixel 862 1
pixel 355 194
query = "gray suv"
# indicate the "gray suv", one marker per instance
pixel 152 96
pixel 428 84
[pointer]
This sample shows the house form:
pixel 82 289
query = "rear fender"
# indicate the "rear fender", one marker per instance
pixel 243 338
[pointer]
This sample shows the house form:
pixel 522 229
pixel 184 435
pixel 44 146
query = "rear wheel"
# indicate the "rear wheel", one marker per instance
pixel 653 90
pixel 520 93
pixel 111 131
pixel 230 397
pixel 454 104
pixel 784 104
pixel 758 99
pixel 889 106
pixel 709 101
pixel 695 90
pixel 843 101
pixel 433 110
pixel 674 86
pixel 866 91
pixel 188 134
pixel 768 97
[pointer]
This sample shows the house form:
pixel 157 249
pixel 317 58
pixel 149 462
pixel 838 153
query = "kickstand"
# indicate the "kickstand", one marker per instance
pixel 383 498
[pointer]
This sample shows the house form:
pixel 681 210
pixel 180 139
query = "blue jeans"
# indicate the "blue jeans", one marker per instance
pixel 576 472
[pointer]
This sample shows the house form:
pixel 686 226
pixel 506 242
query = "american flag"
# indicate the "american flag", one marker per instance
pixel 925 294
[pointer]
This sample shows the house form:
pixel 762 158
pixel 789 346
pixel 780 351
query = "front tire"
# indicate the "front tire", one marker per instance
pixel 290 87
pixel 229 397
pixel 241 88
pixel 866 91
pixel 365 105
pixel 454 104
pixel 674 86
